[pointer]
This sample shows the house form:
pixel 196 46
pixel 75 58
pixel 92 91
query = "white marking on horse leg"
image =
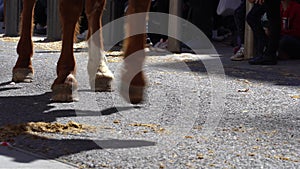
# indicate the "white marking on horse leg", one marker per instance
pixel 100 77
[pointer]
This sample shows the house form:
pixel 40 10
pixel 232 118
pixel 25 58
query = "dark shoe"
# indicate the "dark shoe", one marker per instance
pixel 148 42
pixel 40 30
pixel 262 61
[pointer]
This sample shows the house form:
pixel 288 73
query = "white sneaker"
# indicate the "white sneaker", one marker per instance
pixel 161 44
pixel 239 55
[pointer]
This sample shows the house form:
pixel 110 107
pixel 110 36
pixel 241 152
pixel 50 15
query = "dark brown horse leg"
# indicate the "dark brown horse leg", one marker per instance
pixel 134 53
pixel 100 77
pixel 23 71
pixel 65 85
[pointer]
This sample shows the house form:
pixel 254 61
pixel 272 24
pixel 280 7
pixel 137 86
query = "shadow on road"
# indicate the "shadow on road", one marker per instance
pixel 285 73
pixel 22 109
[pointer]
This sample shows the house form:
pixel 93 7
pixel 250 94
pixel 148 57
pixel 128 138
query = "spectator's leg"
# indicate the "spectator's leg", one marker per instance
pixel 83 21
pixel 273 14
pixel 161 6
pixel 40 12
pixel 239 18
pixel 202 15
pixel 254 21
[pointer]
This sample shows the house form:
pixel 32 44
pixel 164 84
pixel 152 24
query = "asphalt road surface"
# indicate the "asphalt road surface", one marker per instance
pixel 197 114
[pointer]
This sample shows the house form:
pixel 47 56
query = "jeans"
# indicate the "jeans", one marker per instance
pixel 40 12
pixel 239 19
pixel 273 14
pixel 254 21
pixel 202 12
pixel 156 24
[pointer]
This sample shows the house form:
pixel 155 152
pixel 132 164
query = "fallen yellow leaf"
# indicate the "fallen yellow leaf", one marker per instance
pixel 296 97
pixel 188 137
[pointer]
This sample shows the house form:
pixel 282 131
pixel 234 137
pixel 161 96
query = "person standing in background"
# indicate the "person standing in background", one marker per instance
pixel 40 17
pixel 254 20
pixel 239 19
pixel 273 13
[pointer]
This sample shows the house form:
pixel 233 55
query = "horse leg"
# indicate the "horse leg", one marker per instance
pixel 100 77
pixel 65 85
pixel 23 70
pixel 132 76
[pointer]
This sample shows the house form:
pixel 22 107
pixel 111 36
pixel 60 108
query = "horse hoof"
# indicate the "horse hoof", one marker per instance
pixel 66 92
pixel 103 81
pixel 22 75
pixel 132 94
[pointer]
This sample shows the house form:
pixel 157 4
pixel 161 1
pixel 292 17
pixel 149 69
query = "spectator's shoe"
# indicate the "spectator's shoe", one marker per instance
pixel 239 56
pixel 262 61
pixel 161 44
pixel 236 49
pixel 40 30
pixel 148 42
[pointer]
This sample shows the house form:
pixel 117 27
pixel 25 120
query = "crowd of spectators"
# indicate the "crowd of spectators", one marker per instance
pixel 276 30
pixel 275 25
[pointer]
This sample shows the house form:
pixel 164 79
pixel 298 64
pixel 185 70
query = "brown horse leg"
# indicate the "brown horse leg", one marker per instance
pixel 65 85
pixel 23 71
pixel 134 54
pixel 100 77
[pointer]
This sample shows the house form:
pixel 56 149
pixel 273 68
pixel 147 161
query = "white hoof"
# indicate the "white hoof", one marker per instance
pixel 102 81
